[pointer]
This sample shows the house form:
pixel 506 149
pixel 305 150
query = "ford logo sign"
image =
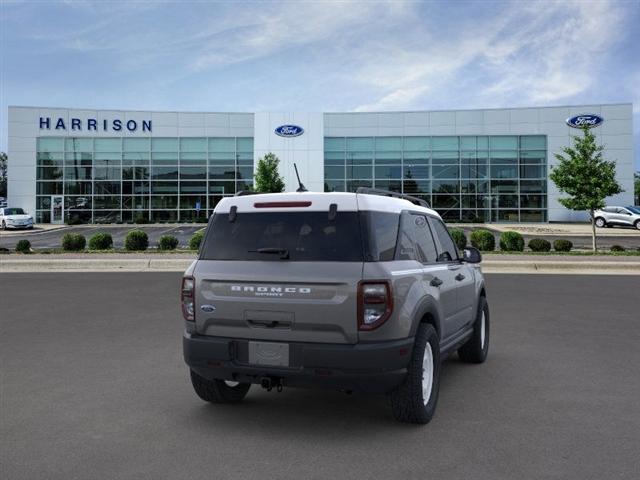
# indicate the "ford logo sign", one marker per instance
pixel 587 120
pixel 289 131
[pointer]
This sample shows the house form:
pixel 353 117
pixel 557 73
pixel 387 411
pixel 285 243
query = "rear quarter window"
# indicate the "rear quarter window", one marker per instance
pixel 380 234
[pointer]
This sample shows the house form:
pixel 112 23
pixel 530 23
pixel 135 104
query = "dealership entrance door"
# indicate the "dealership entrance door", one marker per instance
pixel 57 209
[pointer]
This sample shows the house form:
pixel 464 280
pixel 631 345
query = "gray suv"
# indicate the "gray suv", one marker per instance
pixel 352 291
pixel 621 216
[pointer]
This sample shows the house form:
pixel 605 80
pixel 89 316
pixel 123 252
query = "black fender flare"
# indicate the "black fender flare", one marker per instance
pixel 427 306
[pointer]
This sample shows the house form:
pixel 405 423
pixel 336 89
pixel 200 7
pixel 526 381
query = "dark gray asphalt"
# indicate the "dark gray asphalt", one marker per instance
pixel 93 386
pixel 53 238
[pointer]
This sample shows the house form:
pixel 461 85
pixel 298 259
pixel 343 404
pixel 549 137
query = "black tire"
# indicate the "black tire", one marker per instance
pixel 600 222
pixel 637 224
pixel 217 391
pixel 407 402
pixel 4 225
pixel 475 350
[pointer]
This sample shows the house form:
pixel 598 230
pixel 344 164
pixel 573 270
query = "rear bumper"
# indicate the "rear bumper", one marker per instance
pixel 367 367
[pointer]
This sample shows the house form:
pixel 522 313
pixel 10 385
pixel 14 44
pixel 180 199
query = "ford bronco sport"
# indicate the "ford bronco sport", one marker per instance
pixel 353 291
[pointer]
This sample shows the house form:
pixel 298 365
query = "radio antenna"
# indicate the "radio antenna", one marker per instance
pixel 301 187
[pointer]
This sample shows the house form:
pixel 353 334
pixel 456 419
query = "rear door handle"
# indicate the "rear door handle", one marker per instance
pixel 459 277
pixel 436 282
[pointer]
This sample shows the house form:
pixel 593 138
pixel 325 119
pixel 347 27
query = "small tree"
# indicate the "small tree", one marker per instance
pixel 267 178
pixel 636 188
pixel 3 174
pixel 585 176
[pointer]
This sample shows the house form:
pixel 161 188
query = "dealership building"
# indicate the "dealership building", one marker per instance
pixel 107 166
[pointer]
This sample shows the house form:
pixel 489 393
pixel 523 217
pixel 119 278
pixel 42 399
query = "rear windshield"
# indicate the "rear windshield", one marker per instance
pixel 278 236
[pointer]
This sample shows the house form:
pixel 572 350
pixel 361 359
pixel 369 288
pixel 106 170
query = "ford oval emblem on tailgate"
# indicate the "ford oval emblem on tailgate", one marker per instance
pixel 208 308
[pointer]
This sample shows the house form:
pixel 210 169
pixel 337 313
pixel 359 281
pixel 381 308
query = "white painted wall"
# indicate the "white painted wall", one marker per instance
pixel 306 150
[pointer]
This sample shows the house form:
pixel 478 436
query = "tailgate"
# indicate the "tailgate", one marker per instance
pixel 266 300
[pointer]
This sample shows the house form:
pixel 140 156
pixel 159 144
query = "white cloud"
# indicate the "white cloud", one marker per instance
pixel 528 54
pixel 260 32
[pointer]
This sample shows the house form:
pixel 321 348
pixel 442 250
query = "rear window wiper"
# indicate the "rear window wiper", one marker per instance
pixel 283 252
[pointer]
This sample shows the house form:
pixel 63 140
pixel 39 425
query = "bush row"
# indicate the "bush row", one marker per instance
pixel 509 241
pixel 136 240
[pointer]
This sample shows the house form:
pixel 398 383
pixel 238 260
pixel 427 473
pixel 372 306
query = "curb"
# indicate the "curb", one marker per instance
pixel 28 265
pixel 96 265
pixel 554 267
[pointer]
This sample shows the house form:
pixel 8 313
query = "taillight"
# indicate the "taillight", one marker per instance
pixel 187 295
pixel 375 304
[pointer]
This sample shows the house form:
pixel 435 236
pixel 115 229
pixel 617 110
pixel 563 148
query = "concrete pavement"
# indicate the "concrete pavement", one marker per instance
pixel 178 262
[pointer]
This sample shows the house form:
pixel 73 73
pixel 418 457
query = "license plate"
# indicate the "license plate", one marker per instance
pixel 269 353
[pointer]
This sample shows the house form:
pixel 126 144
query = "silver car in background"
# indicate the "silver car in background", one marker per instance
pixel 620 216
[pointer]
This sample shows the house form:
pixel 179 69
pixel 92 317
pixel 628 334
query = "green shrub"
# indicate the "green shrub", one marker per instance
pixel 201 220
pixel 101 241
pixel 196 240
pixel 459 238
pixel 617 248
pixel 539 245
pixel 23 246
pixel 511 242
pixel 141 220
pixel 167 242
pixel 483 240
pixel 136 240
pixel 562 245
pixel 73 242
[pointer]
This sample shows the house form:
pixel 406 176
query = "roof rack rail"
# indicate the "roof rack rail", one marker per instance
pixel 389 193
pixel 242 193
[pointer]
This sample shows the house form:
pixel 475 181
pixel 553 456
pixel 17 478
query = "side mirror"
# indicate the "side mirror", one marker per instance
pixel 471 255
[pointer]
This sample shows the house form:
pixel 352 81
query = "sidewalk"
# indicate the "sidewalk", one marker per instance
pixel 178 262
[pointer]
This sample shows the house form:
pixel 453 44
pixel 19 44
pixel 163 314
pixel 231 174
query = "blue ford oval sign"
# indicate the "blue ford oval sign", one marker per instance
pixel 587 120
pixel 289 131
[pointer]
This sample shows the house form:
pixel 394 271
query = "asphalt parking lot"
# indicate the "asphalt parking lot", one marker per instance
pixel 94 386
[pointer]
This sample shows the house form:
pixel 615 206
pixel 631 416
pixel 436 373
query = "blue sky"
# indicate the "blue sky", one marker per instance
pixel 318 56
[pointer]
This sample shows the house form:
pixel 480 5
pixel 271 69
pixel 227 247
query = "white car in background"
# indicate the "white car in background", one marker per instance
pixel 15 218
pixel 621 216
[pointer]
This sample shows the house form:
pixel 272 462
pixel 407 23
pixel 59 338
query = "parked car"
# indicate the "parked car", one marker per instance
pixel 3 202
pixel 15 218
pixel 620 216
pixel 352 291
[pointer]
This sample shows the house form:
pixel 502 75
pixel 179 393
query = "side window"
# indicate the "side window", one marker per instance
pixel 380 232
pixel 449 250
pixel 415 241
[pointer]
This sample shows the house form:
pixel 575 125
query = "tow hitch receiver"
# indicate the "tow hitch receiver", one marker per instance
pixel 268 383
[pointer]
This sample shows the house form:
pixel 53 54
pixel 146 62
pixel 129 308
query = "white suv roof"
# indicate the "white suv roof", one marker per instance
pixel 318 201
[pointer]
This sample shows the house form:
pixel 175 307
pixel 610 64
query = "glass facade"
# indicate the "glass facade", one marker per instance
pixel 108 180
pixel 498 178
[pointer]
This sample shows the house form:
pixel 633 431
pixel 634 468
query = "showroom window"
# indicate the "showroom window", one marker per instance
pixel 466 178
pixel 126 179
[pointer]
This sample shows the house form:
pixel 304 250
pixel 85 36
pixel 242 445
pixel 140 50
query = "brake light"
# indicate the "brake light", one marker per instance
pixel 281 204
pixel 375 304
pixel 187 295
